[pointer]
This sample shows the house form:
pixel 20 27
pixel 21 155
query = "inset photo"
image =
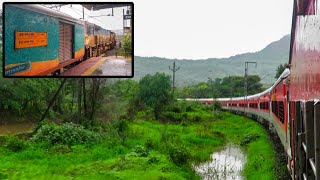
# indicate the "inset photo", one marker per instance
pixel 68 40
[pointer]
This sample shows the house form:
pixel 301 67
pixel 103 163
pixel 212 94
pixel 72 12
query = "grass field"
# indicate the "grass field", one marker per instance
pixel 149 150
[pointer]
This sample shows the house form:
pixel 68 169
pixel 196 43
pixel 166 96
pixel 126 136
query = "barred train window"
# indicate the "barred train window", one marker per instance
pixel 264 105
pixel 278 110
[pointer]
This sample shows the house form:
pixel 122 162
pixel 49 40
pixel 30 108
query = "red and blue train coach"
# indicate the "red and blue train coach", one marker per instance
pixel 39 40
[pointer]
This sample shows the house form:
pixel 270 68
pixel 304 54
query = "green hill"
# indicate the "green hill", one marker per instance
pixel 194 71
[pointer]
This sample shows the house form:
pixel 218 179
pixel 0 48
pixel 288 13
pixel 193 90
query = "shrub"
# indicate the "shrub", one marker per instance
pixel 218 114
pixel 176 109
pixel 216 106
pixel 150 144
pixel 178 154
pixel 168 137
pixel 3 175
pixel 248 139
pixel 66 134
pixel 173 117
pixel 197 118
pixel 189 109
pixel 139 151
pixel 121 127
pixel 15 144
pixel 153 160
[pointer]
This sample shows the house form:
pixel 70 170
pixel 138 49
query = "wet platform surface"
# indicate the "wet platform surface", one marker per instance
pixel 81 68
pixel 101 66
pixel 114 66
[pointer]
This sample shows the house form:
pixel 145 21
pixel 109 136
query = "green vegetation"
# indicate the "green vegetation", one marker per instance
pixel 280 69
pixel 155 92
pixel 126 46
pixel 121 129
pixel 141 149
pixel 231 86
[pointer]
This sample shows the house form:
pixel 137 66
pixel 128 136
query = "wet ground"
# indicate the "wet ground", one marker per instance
pixel 114 67
pixel 16 128
pixel 226 164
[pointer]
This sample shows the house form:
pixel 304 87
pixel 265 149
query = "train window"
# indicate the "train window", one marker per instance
pixel 278 110
pixel 281 111
pixel 264 105
pixel 253 105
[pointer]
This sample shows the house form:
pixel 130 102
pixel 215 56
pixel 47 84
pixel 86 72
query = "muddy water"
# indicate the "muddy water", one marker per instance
pixel 114 67
pixel 16 128
pixel 226 164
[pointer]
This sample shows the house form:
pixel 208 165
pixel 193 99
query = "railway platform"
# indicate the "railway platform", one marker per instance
pixel 101 66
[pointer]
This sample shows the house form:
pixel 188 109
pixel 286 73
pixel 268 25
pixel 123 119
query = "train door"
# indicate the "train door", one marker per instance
pixel 65 42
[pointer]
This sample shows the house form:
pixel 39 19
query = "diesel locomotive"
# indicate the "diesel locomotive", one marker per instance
pixel 40 41
pixel 291 106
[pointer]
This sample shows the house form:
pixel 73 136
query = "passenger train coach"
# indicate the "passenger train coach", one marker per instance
pixel 39 41
pixel 292 105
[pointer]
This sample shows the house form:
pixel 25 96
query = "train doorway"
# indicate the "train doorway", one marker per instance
pixel 65 42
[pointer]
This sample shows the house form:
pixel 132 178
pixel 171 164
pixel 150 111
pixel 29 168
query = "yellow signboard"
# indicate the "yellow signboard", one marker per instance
pixel 30 39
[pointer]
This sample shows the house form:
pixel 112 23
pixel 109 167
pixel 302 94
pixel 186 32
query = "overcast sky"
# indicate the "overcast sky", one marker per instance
pixel 205 28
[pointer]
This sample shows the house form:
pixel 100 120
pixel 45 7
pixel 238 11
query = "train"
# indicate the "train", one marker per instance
pixel 291 106
pixel 40 41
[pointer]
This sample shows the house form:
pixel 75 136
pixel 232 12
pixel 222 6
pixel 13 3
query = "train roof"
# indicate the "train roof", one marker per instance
pixel 47 11
pixel 284 75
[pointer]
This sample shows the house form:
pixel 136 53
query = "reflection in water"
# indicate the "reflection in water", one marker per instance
pixel 226 164
pixel 115 67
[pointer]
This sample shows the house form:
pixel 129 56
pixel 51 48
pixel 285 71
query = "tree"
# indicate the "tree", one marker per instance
pixel 155 92
pixel 280 69
pixel 231 86
pixel 127 44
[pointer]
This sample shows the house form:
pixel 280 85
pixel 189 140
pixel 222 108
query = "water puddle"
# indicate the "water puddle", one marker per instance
pixel 16 128
pixel 226 164
pixel 114 67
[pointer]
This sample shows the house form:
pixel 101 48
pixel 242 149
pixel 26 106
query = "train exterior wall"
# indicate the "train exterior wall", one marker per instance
pixel 305 61
pixel 40 58
pixel 78 41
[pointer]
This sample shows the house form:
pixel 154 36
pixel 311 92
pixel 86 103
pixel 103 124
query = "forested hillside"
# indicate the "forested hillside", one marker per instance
pixel 195 71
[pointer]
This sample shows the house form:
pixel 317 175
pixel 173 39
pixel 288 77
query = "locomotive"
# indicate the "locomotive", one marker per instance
pixel 40 41
pixel 291 106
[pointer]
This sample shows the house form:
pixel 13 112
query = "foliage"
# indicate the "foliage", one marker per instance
pixel 248 139
pixel 140 151
pixel 65 134
pixel 127 44
pixel 178 154
pixel 280 69
pixel 216 106
pixel 155 92
pixel 121 127
pixel 231 86
pixel 125 89
pixel 173 117
pixel 25 95
pixel 15 144
pixel 108 160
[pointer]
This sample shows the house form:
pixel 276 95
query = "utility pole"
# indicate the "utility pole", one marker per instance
pixel 82 13
pixel 123 20
pixel 174 70
pixel 246 81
